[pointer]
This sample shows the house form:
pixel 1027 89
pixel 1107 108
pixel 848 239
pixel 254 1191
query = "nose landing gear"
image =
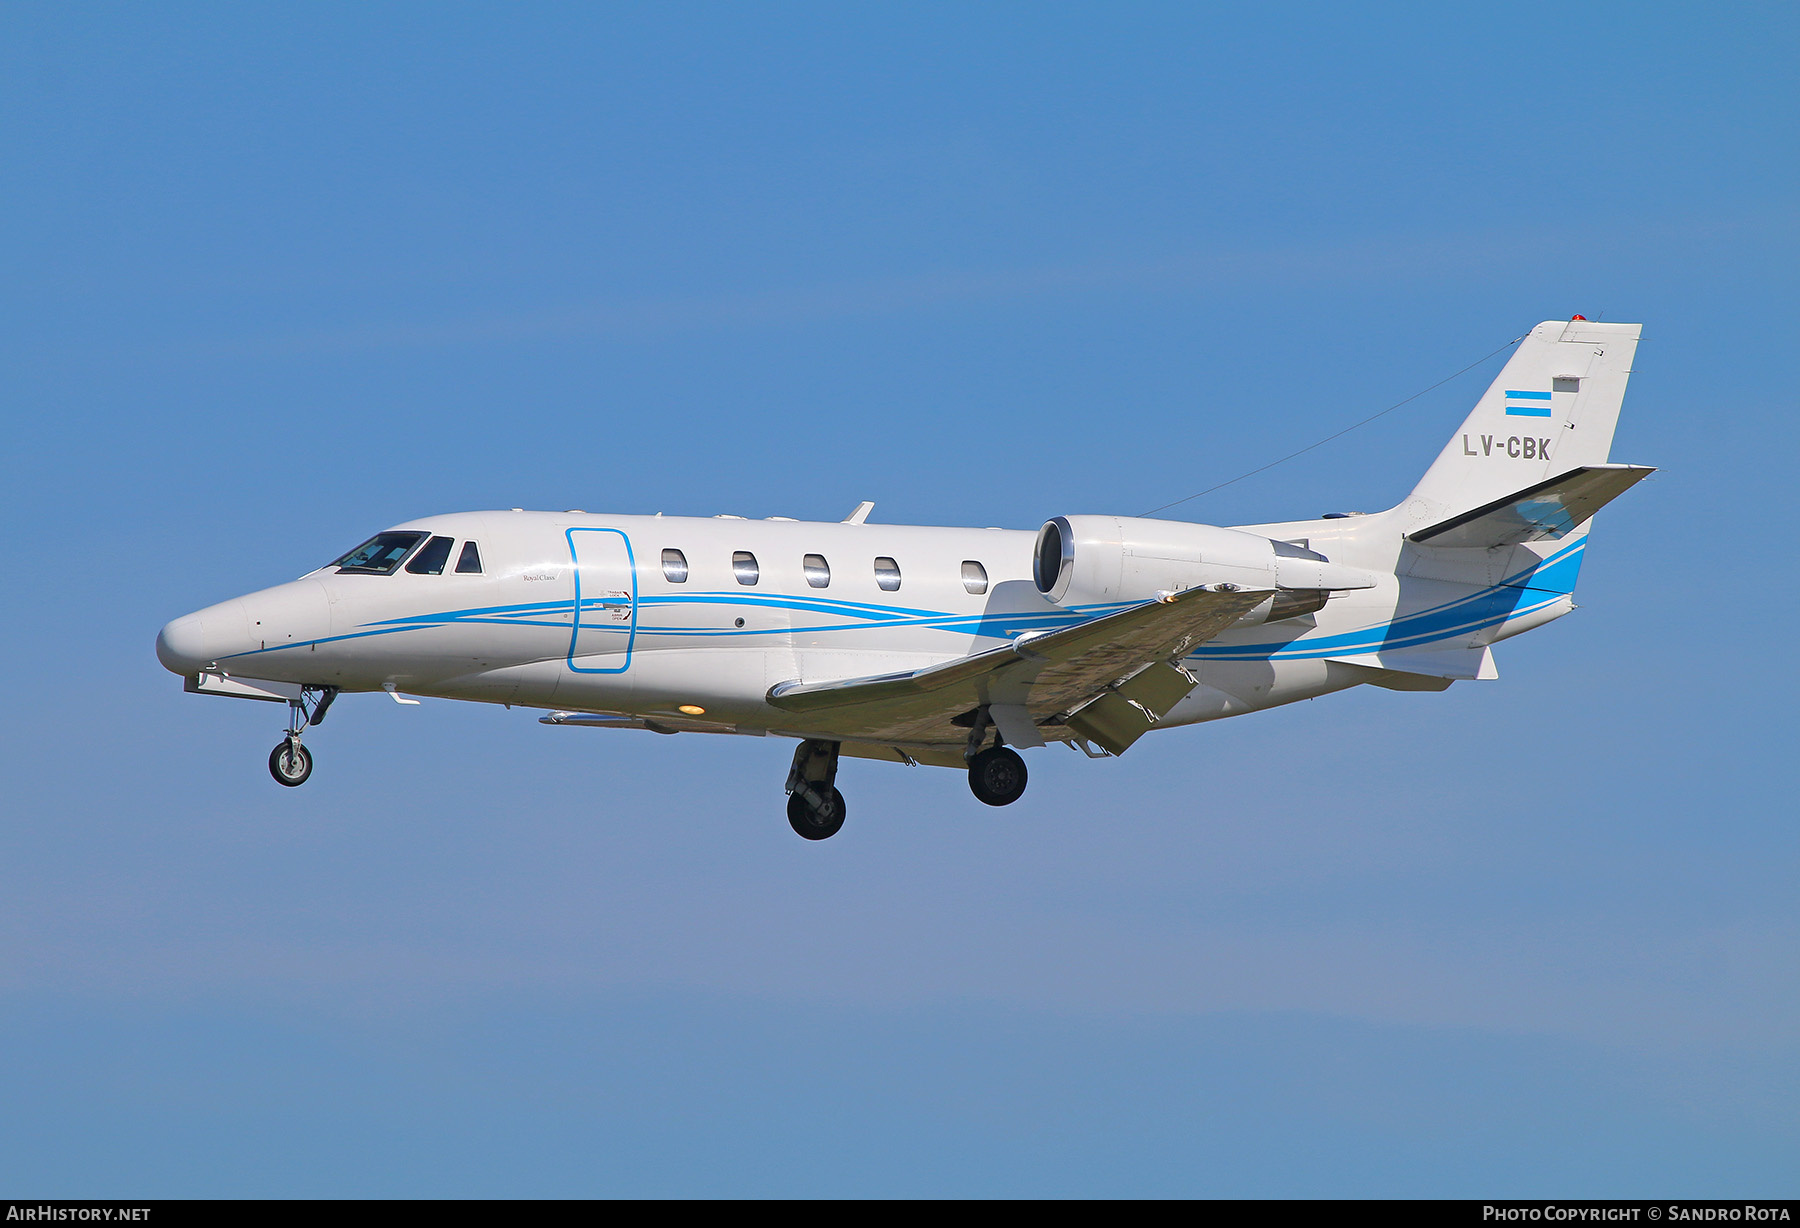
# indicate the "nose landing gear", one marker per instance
pixel 290 763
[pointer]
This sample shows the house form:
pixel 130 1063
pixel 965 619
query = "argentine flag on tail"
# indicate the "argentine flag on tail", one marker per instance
pixel 1527 404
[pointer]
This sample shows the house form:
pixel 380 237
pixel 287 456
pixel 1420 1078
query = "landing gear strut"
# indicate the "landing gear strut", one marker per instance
pixel 815 807
pixel 290 763
pixel 997 775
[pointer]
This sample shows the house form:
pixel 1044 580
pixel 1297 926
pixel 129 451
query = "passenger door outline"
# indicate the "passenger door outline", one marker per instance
pixel 598 599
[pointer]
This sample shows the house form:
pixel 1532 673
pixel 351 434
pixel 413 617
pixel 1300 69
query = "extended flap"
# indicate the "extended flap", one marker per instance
pixel 1122 714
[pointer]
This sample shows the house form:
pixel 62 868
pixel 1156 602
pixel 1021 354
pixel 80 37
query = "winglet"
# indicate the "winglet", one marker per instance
pixel 860 514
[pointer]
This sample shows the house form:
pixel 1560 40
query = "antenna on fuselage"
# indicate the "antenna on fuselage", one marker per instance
pixel 860 514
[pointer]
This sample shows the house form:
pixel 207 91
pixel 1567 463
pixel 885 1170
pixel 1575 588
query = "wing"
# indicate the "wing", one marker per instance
pixel 1108 679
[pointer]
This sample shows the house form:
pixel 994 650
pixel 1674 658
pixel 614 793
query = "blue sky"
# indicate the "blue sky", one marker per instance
pixel 276 278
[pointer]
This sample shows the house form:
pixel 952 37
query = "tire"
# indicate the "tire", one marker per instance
pixel 997 776
pixel 290 764
pixel 812 825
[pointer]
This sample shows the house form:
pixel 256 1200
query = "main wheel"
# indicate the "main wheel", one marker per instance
pixel 809 822
pixel 997 776
pixel 290 764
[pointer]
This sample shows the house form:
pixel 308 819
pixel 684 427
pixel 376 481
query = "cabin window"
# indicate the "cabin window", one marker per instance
pixel 378 556
pixel 468 563
pixel 887 574
pixel 974 576
pixel 674 566
pixel 818 571
pixel 743 566
pixel 430 561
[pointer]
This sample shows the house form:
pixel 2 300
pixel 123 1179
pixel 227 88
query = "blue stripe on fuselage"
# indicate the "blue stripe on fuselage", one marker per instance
pixel 1518 594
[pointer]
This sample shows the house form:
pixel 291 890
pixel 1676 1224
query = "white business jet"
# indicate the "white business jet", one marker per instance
pixel 950 647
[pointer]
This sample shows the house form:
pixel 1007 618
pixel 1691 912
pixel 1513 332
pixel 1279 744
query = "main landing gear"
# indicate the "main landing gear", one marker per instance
pixel 290 763
pixel 997 775
pixel 815 807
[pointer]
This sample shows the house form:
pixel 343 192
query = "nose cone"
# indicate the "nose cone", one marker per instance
pixel 251 636
pixel 181 646
pixel 196 641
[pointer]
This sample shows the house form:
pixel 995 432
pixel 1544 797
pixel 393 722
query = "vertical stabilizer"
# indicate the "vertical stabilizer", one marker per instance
pixel 1552 410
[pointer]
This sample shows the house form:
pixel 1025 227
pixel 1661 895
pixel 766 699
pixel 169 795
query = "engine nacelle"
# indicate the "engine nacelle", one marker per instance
pixel 1102 560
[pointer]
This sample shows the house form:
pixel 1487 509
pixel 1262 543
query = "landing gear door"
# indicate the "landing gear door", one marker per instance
pixel 605 601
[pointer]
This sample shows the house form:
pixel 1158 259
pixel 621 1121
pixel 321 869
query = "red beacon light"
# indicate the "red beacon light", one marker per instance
pixel 1572 319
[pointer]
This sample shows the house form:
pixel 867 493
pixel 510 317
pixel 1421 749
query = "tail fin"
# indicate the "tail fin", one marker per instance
pixel 1552 410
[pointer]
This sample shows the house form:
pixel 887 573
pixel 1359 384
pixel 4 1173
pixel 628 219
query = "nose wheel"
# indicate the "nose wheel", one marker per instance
pixel 290 763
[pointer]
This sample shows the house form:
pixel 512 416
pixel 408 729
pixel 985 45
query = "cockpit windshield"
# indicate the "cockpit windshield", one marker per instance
pixel 380 555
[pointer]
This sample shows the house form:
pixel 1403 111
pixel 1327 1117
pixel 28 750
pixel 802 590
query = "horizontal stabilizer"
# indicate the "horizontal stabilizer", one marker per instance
pixel 1546 511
